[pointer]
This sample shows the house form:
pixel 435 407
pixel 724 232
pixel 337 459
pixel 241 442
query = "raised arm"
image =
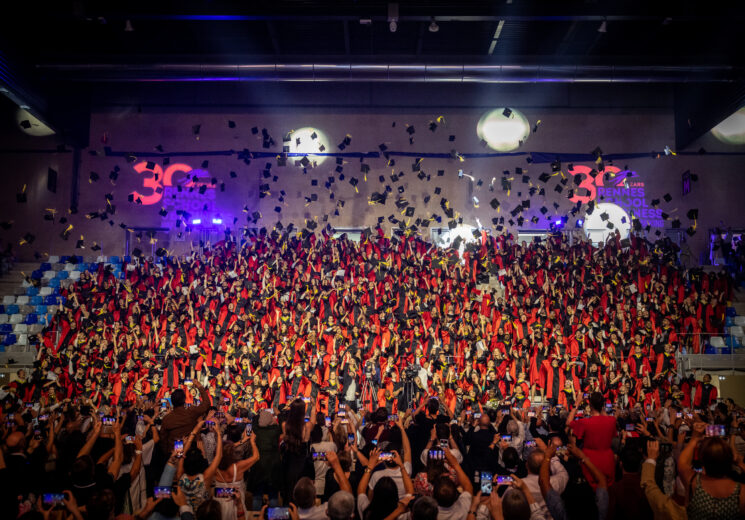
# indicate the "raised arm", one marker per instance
pixel 463 480
pixel 341 477
pixel 685 461
pixel 246 464
pixel 404 441
pixel 209 473
pixel 92 438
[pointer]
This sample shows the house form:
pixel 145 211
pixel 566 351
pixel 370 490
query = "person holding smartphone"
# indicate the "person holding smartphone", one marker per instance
pixel 229 475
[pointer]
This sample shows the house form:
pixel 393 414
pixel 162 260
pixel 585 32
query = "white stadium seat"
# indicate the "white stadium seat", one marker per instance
pixel 9 300
pixel 16 318
pixel 45 291
pixel 736 330
pixel 22 300
pixel 717 342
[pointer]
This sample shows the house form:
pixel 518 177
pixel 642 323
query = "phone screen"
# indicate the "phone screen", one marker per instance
pixel 629 427
pixel 224 492
pixel 504 480
pixel 319 455
pixel 178 445
pixel 162 492
pixel 486 477
pixel 351 439
pixel 53 499
pixel 385 455
pixel 278 513
pixel 436 455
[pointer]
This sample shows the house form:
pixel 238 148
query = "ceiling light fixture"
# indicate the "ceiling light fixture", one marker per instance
pixel 603 27
pixel 433 27
pixel 393 16
pixel 128 26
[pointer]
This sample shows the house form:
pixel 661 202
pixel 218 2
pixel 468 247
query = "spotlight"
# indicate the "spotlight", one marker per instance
pixel 557 222
pixel 579 223
pixel 217 221
pixel 433 27
pixel 128 26
pixel 393 26
pixel 196 221
pixel 603 27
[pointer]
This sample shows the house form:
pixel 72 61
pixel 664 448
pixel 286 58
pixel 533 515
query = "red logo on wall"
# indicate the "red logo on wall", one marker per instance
pixel 155 180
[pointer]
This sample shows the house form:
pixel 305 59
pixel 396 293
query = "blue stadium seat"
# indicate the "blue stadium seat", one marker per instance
pixel 50 300
pixel 93 268
pixel 54 282
pixel 31 319
pixel 708 349
pixel 115 260
pixel 128 259
pixel 45 266
pixel 2 309
pixel 32 291
pixel 62 275
pixel 37 275
pixel 63 259
pixel 731 312
pixel 10 339
pixel 41 309
pixel 11 309
pixel 6 327
pixel 36 300
pixel 729 321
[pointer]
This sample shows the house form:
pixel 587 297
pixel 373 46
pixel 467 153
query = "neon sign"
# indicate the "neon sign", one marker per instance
pixel 630 195
pixel 156 180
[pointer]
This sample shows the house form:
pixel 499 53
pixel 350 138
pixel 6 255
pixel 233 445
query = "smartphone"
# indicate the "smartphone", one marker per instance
pixel 53 499
pixel 209 424
pixel 238 420
pixel 650 419
pixel 43 417
pixel 129 439
pixel 477 415
pixel 531 414
pixel 630 427
pixel 530 444
pixel 608 406
pixel 37 434
pixel 715 430
pixel 393 418
pixel 341 413
pixel 503 480
pixel 278 513
pixel 327 420
pixel 162 492
pixel 319 455
pixel 507 438
pixel 178 446
pixel 29 405
pixel 561 449
pixel 307 419
pixel 585 395
pixel 679 415
pixel 486 483
pixel 374 442
pixel 385 455
pixel 223 492
pixel 351 438
pixel 140 418
pixel 188 382
pixel 249 429
pixel 443 443
pixel 580 414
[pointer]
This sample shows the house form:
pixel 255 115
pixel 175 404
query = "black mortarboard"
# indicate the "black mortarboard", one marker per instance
pixel 438 190
pixel 667 197
pixel 25 123
pixel 506 112
pixel 440 173
pixel 526 179
pixel 655 202
pixel 93 177
pixel 543 210
pixel 452 224
pixel 691 231
pixel 195 129
pixel 675 224
pixel 604 216
pixel 410 211
pixel 692 214
pixel 544 177
pixel 494 203
pixel 231 124
pixel 163 212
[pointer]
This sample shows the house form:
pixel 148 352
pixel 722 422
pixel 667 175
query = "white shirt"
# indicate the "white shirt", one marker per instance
pixel 558 480
pixel 458 511
pixel 313 513
pixel 395 474
pixel 321 466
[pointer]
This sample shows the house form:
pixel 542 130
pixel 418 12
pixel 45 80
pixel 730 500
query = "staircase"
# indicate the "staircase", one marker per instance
pixel 14 329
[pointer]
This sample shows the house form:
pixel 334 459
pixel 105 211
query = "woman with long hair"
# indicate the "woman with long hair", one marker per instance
pixel 229 475
pixel 294 447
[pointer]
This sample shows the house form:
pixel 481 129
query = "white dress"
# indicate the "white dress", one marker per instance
pixel 229 506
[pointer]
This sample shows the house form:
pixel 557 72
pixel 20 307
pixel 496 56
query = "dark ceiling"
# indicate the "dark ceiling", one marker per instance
pixel 60 56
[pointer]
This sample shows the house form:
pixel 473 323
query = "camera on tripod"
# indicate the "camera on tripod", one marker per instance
pixel 410 373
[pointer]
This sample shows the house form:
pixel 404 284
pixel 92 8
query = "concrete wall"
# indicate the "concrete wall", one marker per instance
pixel 718 194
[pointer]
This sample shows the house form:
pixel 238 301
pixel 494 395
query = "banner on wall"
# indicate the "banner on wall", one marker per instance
pixel 625 188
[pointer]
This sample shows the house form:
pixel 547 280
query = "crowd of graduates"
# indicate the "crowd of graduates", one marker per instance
pixel 380 379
